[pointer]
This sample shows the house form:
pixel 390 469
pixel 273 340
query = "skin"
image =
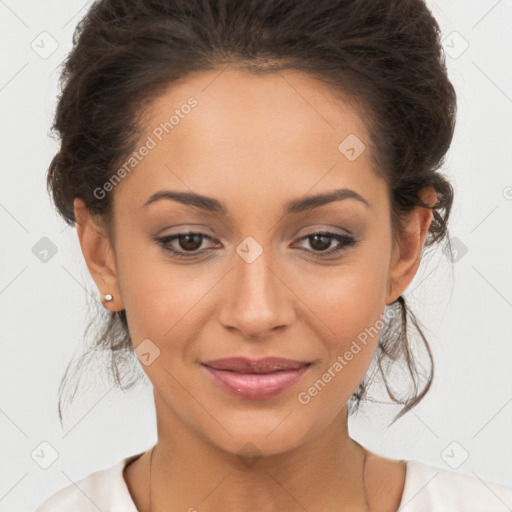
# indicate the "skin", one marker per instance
pixel 254 143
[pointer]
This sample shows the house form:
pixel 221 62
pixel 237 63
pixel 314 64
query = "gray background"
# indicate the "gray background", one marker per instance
pixel 464 422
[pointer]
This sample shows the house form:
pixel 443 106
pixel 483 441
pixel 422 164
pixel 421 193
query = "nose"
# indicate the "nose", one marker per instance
pixel 258 300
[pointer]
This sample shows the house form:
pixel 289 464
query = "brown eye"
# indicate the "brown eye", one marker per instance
pixel 190 241
pixel 323 240
pixel 185 244
pixel 320 242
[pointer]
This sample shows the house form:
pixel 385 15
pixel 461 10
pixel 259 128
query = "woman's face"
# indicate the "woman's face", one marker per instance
pixel 263 285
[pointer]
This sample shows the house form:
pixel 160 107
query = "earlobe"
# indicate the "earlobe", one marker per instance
pixel 98 255
pixel 407 255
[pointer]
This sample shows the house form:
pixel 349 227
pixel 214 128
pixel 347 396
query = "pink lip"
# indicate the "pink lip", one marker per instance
pixel 255 379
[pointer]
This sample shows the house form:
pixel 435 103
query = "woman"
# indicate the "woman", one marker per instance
pixel 253 185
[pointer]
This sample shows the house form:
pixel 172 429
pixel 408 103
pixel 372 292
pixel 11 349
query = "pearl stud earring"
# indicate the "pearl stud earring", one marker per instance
pixel 108 297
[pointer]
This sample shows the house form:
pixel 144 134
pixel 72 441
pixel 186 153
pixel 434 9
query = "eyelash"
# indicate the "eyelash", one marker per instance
pixel 344 240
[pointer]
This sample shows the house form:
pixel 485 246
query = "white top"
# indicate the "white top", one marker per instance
pixel 427 489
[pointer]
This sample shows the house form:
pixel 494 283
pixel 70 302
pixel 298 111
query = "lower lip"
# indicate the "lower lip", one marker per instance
pixel 256 386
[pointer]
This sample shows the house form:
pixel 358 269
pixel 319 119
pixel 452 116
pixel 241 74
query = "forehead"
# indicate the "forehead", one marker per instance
pixel 219 131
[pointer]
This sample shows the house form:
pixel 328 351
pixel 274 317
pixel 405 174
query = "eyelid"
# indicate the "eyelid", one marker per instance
pixel 323 228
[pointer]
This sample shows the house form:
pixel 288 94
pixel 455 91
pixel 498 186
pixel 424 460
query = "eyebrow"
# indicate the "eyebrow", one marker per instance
pixel 295 206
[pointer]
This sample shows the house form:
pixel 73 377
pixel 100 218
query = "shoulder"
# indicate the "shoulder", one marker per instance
pixel 104 489
pixel 430 488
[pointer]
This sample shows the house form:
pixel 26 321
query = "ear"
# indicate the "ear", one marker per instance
pixel 98 253
pixel 406 256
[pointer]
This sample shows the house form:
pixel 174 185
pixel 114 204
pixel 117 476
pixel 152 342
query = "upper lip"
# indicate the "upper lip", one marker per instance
pixel 245 365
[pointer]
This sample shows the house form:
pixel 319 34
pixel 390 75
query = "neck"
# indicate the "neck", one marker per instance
pixel 325 473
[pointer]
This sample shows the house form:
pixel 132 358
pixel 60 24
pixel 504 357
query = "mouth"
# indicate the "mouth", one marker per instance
pixel 255 379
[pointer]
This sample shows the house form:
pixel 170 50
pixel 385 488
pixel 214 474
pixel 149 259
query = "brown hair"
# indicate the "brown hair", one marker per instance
pixel 385 56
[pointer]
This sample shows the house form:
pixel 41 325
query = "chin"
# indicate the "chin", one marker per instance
pixel 261 436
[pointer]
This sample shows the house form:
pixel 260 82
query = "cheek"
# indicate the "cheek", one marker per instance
pixel 347 298
pixel 350 301
pixel 353 312
pixel 160 297
pixel 351 305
